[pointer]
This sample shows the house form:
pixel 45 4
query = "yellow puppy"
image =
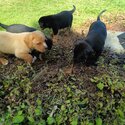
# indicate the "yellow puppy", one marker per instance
pixel 21 44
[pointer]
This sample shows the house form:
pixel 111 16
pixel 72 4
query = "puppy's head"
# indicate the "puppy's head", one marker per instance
pixel 45 22
pixel 82 51
pixel 36 40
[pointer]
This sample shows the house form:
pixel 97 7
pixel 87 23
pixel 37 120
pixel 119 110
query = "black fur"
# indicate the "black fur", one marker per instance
pixel 89 49
pixel 58 21
pixel 17 28
pixel 49 43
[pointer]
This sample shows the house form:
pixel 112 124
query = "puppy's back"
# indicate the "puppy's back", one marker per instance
pixel 6 45
pixel 19 28
pixel 8 41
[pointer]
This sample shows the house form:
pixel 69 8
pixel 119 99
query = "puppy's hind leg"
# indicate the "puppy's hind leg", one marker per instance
pixel 55 35
pixel 25 56
pixel 3 61
pixel 68 30
pixel 70 26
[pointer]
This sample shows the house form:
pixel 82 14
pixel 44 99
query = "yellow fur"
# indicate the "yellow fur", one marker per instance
pixel 20 44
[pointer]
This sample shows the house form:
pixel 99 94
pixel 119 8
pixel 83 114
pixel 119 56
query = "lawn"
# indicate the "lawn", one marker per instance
pixel 46 92
pixel 28 12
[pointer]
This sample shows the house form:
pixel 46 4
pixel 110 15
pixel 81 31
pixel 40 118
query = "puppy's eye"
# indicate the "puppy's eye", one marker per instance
pixel 38 43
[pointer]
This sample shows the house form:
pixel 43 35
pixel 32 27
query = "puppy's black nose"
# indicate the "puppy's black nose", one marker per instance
pixel 49 43
pixel 78 60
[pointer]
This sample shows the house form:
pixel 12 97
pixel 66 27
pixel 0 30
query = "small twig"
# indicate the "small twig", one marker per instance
pixel 53 111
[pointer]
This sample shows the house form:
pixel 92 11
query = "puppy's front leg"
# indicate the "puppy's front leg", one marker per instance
pixel 25 56
pixel 69 30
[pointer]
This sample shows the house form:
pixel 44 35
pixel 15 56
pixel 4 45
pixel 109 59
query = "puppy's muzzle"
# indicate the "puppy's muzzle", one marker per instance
pixel 41 26
pixel 79 60
pixel 45 45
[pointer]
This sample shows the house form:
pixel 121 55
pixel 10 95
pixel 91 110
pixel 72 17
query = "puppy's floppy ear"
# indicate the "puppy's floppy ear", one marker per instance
pixel 28 40
pixel 36 42
pixel 88 52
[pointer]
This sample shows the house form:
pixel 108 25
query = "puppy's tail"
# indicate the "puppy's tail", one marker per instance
pixel 3 26
pixel 73 10
pixel 98 18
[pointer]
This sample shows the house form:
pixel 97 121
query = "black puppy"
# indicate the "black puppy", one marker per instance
pixel 89 49
pixel 17 28
pixel 57 21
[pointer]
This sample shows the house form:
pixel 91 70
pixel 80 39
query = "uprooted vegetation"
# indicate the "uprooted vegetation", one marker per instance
pixel 48 93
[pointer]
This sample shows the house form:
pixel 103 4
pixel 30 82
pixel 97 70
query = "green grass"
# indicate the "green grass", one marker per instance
pixel 29 11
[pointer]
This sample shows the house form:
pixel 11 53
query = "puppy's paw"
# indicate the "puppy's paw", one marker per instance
pixel 29 59
pixel 3 61
pixel 25 56
pixel 34 59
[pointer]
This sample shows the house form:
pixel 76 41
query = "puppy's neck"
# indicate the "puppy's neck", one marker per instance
pixel 86 43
